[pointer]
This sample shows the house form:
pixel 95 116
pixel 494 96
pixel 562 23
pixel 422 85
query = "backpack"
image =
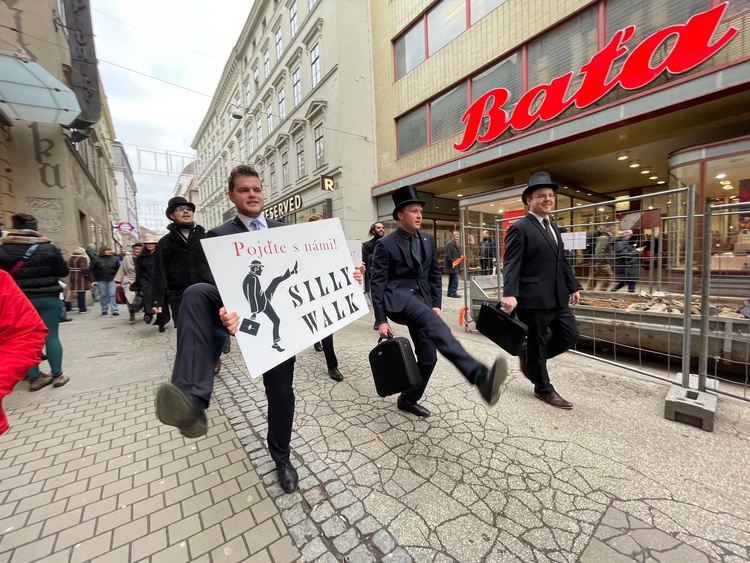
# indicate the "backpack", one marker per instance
pixel 591 243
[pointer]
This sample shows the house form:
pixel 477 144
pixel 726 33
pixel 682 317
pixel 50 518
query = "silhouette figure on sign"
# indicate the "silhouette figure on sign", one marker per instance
pixel 260 300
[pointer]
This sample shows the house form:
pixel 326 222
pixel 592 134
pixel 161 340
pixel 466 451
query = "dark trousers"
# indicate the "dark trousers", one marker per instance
pixel 486 266
pixel 81 301
pixel 327 343
pixel 429 333
pixel 220 335
pixel 193 371
pixel 452 284
pixel 551 332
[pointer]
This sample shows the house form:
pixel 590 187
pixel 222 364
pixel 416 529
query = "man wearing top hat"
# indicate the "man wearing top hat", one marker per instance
pixel 539 284
pixel 406 287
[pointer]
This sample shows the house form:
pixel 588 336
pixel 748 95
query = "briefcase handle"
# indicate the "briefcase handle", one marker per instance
pixel 390 335
pixel 499 307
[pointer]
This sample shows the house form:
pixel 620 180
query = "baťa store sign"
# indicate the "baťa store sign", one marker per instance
pixel 692 46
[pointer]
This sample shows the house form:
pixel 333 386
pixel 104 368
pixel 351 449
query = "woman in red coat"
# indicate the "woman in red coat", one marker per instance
pixel 22 335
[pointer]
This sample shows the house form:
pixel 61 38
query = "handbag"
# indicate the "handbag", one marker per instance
pixel 502 328
pixel 120 295
pixel 393 366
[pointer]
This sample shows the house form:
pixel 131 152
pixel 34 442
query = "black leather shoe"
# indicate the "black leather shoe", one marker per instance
pixel 335 374
pixel 175 408
pixel 318 347
pixel 554 399
pixel 288 478
pixel 490 385
pixel 277 347
pixel 413 408
pixel 147 319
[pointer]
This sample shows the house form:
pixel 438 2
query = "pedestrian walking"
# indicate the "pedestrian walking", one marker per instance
pixel 103 272
pixel 22 336
pixel 78 281
pixel 144 284
pixel 487 254
pixel 627 262
pixel 125 277
pixel 604 258
pixel 452 253
pixel 540 284
pixel 37 265
pixel 406 287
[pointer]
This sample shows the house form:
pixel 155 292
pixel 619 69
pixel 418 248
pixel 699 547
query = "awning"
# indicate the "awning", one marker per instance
pixel 30 93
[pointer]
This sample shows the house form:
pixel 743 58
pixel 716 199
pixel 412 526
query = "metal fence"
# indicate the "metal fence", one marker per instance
pixel 672 324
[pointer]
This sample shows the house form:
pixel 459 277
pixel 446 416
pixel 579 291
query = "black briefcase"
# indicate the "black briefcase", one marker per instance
pixel 394 367
pixel 503 329
pixel 249 327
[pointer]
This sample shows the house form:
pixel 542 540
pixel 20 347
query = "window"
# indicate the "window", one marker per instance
pixel 320 153
pixel 445 22
pixel 285 168
pixel 411 131
pixel 446 112
pixel 269 117
pixel 279 45
pixel 241 147
pixel 311 4
pixel 480 8
pixel 250 148
pixel 293 18
pixel 260 131
pixel 296 87
pixel 272 175
pixel 315 64
pixel 266 63
pixel 255 77
pixel 282 108
pixel 247 94
pixel 410 50
pixel 505 74
pixel 300 158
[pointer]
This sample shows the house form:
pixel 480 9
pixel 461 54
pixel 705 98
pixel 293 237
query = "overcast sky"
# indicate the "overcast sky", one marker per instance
pixel 184 42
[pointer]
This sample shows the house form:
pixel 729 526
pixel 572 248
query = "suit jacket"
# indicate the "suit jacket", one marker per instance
pixel 393 278
pixel 534 268
pixel 237 226
pixel 452 253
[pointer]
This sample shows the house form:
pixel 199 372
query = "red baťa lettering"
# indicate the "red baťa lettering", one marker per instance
pixel 691 47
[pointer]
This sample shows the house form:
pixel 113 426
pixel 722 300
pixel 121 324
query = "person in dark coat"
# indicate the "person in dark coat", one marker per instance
pixel 102 273
pixel 144 284
pixel 452 253
pixel 78 282
pixel 487 254
pixel 539 284
pixel 37 265
pixel 377 231
pixel 183 402
pixel 627 262
pixel 406 288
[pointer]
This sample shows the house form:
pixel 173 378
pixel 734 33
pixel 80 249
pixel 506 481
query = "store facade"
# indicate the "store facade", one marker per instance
pixel 603 95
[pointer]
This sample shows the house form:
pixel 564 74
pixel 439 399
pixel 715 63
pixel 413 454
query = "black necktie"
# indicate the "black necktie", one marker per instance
pixel 551 234
pixel 414 244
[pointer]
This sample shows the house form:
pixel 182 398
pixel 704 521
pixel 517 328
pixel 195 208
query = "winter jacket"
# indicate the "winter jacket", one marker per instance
pixel 126 276
pixel 179 264
pixel 79 273
pixel 22 335
pixel 104 268
pixel 627 262
pixel 452 253
pixel 40 275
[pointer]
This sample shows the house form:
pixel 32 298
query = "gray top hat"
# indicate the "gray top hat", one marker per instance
pixel 403 197
pixel 536 181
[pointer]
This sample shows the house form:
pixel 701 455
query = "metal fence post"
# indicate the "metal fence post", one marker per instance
pixel 705 294
pixel 686 312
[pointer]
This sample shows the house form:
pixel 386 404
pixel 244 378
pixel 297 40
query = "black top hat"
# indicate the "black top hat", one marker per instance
pixel 536 181
pixel 176 202
pixel 403 197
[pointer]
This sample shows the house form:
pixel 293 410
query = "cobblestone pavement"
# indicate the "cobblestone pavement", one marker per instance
pixel 611 480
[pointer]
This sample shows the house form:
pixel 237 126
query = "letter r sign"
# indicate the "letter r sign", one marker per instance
pixel 326 183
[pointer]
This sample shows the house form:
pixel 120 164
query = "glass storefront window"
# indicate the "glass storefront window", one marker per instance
pixel 727 180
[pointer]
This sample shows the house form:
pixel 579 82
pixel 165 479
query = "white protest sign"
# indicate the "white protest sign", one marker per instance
pixel 355 249
pixel 291 286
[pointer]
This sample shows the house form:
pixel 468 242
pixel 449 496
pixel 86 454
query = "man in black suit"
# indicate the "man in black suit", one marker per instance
pixel 183 402
pixel 539 284
pixel 406 286
pixel 487 254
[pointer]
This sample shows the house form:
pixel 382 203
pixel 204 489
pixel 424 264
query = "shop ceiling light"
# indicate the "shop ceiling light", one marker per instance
pixel 601 209
pixel 727 187
pixel 622 156
pixel 634 165
pixel 653 177
pixel 661 182
pixel 721 176
pixel 645 171
pixel 459 195
pixel 499 210
pixel 725 182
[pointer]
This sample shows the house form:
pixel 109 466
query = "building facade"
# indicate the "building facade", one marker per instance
pixel 472 96
pixel 125 232
pixel 296 101
pixel 56 158
pixel 187 187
